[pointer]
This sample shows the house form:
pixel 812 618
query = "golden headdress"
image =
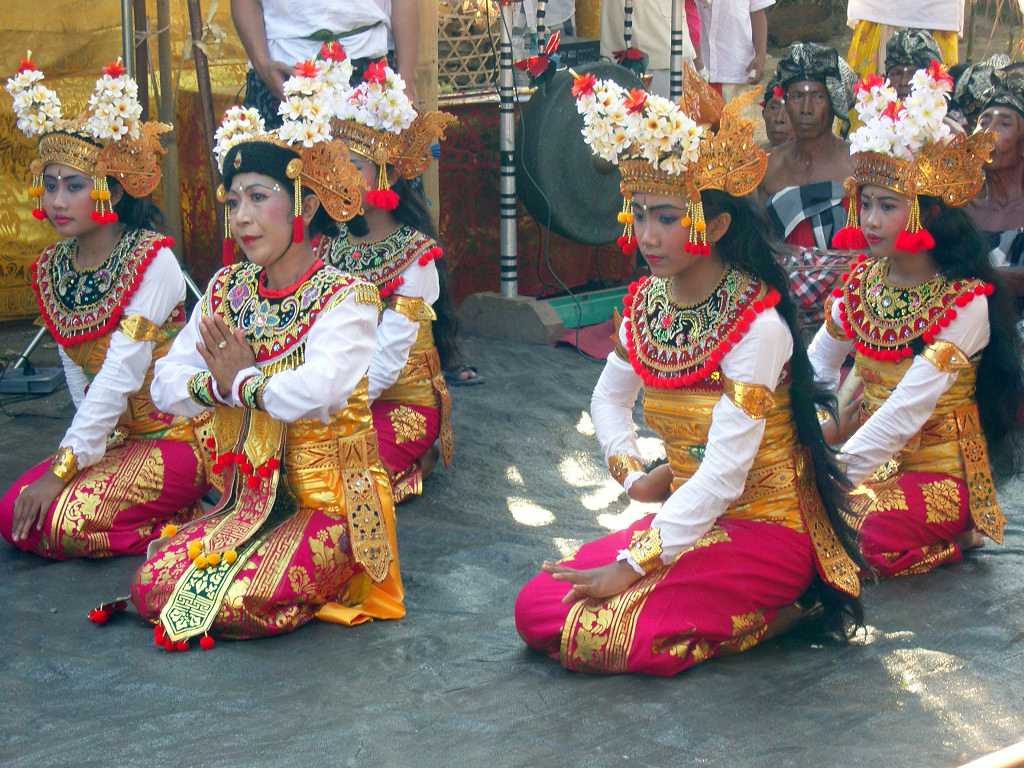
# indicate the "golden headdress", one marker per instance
pixel 671 149
pixel 378 121
pixel 303 149
pixel 107 139
pixel 908 147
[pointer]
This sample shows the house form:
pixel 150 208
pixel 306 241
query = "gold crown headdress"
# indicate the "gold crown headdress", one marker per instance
pixel 314 158
pixel 107 139
pixel 671 149
pixel 379 123
pixel 909 148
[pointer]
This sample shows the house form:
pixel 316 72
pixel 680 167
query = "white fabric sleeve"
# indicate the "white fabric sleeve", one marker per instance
pixel 169 388
pixel 732 444
pixel 397 333
pixel 910 405
pixel 126 362
pixel 75 377
pixel 611 408
pixel 339 348
pixel 828 354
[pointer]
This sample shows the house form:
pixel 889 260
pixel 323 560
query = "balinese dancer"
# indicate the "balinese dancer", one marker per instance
pixel 751 521
pixel 393 246
pixel 111 293
pixel 934 345
pixel 272 365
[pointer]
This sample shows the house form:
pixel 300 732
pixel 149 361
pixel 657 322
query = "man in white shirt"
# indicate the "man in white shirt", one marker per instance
pixel 652 28
pixel 734 39
pixel 278 33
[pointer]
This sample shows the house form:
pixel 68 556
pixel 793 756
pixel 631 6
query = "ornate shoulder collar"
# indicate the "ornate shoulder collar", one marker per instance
pixel 276 322
pixel 383 262
pixel 78 306
pixel 676 346
pixel 887 322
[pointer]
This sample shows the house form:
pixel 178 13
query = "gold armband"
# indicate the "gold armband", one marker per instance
pixel 946 356
pixel 139 328
pixel 755 400
pixel 412 308
pixel 64 465
pixel 621 464
pixel 367 293
pixel 832 328
pixel 645 549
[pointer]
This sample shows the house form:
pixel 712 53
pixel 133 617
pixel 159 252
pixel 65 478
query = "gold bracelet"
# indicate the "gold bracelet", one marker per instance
pixel 621 464
pixel 64 465
pixel 645 549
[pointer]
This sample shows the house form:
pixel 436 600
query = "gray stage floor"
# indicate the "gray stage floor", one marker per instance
pixel 938 679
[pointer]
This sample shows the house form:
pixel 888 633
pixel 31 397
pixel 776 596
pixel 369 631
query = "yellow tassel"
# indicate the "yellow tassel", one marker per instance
pixel 195 548
pixel 914 220
pixel 213 558
pixel 200 562
pixel 685 221
pixel 230 556
pixel 168 530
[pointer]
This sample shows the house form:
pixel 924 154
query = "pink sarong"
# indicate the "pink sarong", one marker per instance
pixel 721 596
pixel 404 433
pixel 913 524
pixel 117 505
pixel 299 566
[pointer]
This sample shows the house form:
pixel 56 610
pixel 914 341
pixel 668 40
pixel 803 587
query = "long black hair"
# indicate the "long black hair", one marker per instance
pixel 961 252
pixel 746 246
pixel 137 212
pixel 412 212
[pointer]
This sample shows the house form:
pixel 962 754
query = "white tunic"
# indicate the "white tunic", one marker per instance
pixel 907 409
pixel 733 440
pixel 100 403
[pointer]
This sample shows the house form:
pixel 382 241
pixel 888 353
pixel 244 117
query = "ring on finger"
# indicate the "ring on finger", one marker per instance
pixel 222 344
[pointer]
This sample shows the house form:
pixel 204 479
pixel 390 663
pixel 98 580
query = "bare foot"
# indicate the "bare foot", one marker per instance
pixel 970 540
pixel 428 461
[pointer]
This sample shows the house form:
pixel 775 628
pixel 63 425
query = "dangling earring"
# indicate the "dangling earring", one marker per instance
pixel 36 191
pixel 697 243
pixel 914 237
pixel 383 196
pixel 104 212
pixel 850 237
pixel 227 245
pixel 626 241
pixel 294 172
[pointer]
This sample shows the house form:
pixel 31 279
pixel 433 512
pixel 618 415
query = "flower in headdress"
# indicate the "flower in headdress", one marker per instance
pixel 635 100
pixel 376 72
pixel 778 93
pixel 114 108
pixel 938 73
pixel 866 83
pixel 238 124
pixel 583 85
pixel 36 106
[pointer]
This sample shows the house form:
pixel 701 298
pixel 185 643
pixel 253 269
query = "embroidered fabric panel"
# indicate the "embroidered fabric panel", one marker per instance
pixel 379 262
pixel 671 345
pixel 78 305
pixel 888 321
pixel 276 325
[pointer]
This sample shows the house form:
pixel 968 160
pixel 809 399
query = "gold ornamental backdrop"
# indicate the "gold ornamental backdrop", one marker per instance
pixel 70 41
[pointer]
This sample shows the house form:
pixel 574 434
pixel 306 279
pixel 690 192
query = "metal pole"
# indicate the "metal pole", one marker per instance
pixel 627 24
pixel 675 88
pixel 23 358
pixel 507 148
pixel 172 186
pixel 127 38
pixel 542 12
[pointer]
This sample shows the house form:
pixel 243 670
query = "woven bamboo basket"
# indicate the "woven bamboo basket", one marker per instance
pixel 467 30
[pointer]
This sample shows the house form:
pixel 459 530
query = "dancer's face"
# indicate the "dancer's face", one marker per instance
pixel 883 215
pixel 810 110
pixel 67 202
pixel 366 167
pixel 662 238
pixel 1008 126
pixel 260 215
